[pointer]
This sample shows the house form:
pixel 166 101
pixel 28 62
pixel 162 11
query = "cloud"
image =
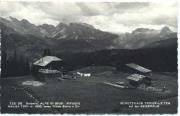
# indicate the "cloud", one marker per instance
pixel 113 17
pixel 152 15
pixel 23 10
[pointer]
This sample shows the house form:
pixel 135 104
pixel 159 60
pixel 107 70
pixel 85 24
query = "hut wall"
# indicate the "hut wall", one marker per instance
pixel 147 81
pixel 55 65
pixel 134 83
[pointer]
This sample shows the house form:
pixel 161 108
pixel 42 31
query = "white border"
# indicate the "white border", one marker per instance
pixel 91 0
pixel 108 1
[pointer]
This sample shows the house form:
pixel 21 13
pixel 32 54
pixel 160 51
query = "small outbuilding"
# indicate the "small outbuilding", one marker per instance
pixel 137 79
pixel 135 68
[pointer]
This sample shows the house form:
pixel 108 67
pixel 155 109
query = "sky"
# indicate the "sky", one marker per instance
pixel 116 17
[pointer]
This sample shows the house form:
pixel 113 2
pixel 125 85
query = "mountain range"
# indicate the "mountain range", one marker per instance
pixel 80 44
pixel 141 37
pixel 29 38
pixel 70 37
pixel 61 31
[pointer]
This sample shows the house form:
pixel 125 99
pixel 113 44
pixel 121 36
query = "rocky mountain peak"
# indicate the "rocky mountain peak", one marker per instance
pixel 13 19
pixel 165 31
pixel 24 21
pixel 61 25
pixel 46 26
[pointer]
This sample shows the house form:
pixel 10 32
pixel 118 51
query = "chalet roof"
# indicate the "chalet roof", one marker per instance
pixel 138 68
pixel 136 77
pixel 46 60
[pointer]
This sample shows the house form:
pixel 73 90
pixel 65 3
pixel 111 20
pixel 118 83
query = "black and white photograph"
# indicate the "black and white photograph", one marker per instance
pixel 61 57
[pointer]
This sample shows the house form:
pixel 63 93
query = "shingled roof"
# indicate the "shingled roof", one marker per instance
pixel 46 60
pixel 138 68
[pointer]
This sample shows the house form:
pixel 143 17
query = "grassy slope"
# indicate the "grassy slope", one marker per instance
pixel 96 97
